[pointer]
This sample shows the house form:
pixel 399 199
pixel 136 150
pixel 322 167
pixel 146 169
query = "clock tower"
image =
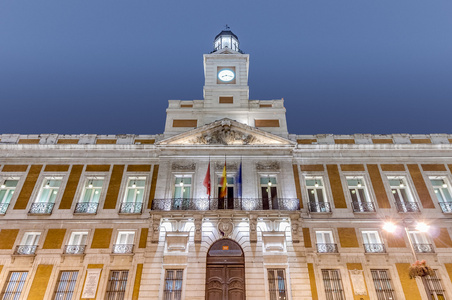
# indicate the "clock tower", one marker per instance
pixel 226 94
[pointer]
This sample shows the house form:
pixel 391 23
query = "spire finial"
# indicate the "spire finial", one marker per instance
pixel 227 27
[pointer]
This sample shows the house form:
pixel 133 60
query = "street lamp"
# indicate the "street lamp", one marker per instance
pixel 420 226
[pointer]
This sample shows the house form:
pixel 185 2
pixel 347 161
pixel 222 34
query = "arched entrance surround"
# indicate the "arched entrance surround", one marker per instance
pixel 225 271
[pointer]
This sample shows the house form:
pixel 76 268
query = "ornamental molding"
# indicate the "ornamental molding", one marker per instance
pixel 183 166
pixel 230 166
pixel 267 166
pixel 225 226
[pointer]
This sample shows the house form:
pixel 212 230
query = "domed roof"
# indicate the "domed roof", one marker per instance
pixel 227 33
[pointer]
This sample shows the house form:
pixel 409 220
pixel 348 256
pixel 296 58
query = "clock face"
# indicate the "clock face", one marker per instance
pixel 226 75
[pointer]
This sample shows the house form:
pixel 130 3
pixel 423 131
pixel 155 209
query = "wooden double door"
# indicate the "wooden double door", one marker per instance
pixel 225 282
pixel 225 271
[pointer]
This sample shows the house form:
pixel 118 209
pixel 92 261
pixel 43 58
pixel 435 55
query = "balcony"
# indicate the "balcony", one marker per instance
pixel 446 207
pixel 122 248
pixel 231 203
pixel 74 249
pixel 319 207
pixel 374 248
pixel 327 248
pixel 131 207
pixel 407 207
pixel 41 208
pixel 423 248
pixel 363 206
pixel 25 249
pixel 3 208
pixel 86 208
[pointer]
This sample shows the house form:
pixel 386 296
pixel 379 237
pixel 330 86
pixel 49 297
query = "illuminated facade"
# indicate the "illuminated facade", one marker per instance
pixel 301 217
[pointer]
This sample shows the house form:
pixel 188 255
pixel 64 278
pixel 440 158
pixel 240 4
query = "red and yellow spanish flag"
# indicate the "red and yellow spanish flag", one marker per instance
pixel 223 183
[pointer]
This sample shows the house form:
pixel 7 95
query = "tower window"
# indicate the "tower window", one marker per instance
pixel 226 100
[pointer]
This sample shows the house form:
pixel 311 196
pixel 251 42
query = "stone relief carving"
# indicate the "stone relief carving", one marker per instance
pixel 183 166
pixel 229 166
pixel 225 226
pixel 198 229
pixel 226 136
pixel 155 227
pixel 270 165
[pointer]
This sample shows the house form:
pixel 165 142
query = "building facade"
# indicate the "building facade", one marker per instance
pixel 288 216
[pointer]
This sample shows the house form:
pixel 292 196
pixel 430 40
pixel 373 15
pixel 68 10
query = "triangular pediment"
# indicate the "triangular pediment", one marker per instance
pixel 226 132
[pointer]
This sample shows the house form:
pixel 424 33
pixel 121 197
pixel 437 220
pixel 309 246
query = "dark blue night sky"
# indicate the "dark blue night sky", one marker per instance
pixel 109 67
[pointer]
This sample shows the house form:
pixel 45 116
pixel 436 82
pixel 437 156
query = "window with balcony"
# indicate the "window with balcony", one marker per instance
pixel 7 188
pixel 402 195
pixel 14 285
pixel 434 286
pixel 46 197
pixel 333 284
pixel 65 285
pixel 441 187
pixel 383 285
pixel 372 242
pixel 316 194
pixel 226 201
pixel 182 192
pixel 124 242
pixel 89 200
pixel 116 286
pixel 359 195
pixel 133 197
pixel 420 242
pixel 173 284
pixel 277 284
pixel 29 243
pixel 77 243
pixel 269 192
pixel 325 242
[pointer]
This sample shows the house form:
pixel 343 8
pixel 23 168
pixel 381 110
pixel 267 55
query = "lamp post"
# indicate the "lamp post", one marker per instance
pixel 420 226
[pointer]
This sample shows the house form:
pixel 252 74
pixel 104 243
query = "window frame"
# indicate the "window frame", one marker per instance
pixel 381 282
pixel 276 283
pixel 126 187
pixel 20 283
pixel 43 184
pixel 403 179
pixel 321 187
pixel 342 288
pixel 171 295
pixel 86 181
pixel 124 291
pixel 429 282
pixel 10 191
pixel 174 184
pixel 70 283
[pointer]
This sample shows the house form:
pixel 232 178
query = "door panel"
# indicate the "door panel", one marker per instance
pixel 226 282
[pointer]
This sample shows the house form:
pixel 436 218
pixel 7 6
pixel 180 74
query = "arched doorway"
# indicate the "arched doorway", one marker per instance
pixel 225 271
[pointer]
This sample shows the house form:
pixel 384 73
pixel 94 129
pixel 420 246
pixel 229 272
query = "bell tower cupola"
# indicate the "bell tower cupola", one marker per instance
pixel 226 39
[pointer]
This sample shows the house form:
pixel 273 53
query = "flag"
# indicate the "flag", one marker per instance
pixel 238 181
pixel 223 183
pixel 207 180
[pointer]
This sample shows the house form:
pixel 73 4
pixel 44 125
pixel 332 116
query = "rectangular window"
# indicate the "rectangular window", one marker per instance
pixel 441 187
pixel 333 284
pixel 372 242
pixel 133 197
pixel 359 195
pixel 226 202
pixel 420 242
pixel 29 243
pixel 173 284
pixel 402 195
pixel 89 201
pixel 269 192
pixel 124 242
pixel 77 243
pixel 14 285
pixel 182 192
pixel 117 283
pixel 383 286
pixel 316 194
pixel 277 284
pixel 7 188
pixel 325 242
pixel 65 285
pixel 49 190
pixel 435 287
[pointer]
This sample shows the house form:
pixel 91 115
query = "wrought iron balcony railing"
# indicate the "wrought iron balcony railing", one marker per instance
pixel 374 248
pixel 44 208
pixel 122 248
pixel 3 208
pixel 74 249
pixel 423 248
pixel 131 207
pixel 25 249
pixel 220 203
pixel 327 248
pixel 319 207
pixel 407 207
pixel 363 206
pixel 446 207
pixel 86 208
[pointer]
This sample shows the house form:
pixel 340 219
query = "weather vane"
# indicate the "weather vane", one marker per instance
pixel 227 27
